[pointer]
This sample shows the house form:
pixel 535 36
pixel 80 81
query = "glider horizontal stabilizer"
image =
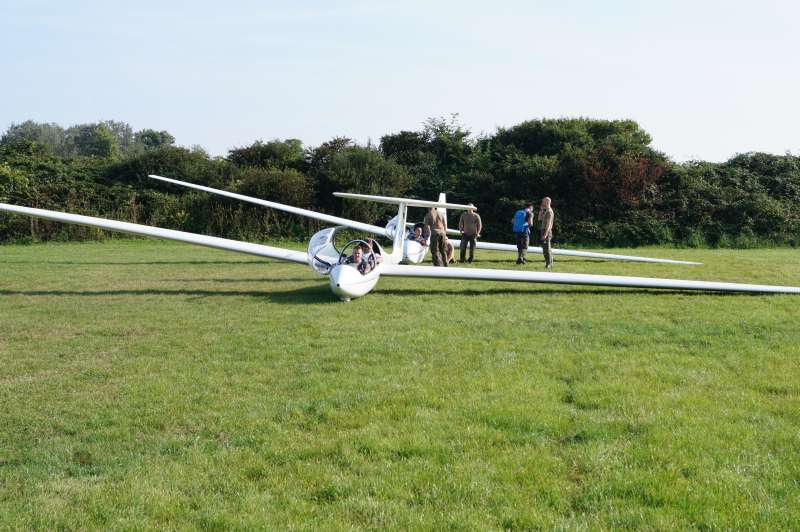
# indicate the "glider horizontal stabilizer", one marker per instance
pixel 405 201
pixel 258 250
pixel 281 207
pixel 579 279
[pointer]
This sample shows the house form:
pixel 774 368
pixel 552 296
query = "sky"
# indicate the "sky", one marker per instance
pixel 706 79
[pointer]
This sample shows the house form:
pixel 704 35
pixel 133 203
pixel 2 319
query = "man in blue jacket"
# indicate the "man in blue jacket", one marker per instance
pixel 522 222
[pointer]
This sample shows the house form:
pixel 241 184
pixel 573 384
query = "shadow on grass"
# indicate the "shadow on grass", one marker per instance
pixel 320 293
pixel 138 263
pixel 309 294
pixel 243 280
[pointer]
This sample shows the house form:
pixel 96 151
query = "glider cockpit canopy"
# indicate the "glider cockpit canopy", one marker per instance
pixel 323 255
pixel 322 252
pixel 371 251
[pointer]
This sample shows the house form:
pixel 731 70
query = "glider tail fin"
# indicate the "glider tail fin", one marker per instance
pixel 399 240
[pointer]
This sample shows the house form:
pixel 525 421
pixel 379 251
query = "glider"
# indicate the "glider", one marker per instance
pixel 414 252
pixel 348 281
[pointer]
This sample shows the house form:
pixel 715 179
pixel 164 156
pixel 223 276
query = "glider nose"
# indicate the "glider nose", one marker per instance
pixel 347 283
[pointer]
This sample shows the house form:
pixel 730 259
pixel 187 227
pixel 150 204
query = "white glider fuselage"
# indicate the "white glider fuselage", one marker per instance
pixel 348 283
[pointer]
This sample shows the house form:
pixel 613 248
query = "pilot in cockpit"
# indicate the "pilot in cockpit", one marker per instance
pixel 415 235
pixel 364 258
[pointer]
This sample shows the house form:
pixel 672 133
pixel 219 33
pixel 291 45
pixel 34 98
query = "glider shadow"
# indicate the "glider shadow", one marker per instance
pixel 137 263
pixel 233 280
pixel 320 293
pixel 309 294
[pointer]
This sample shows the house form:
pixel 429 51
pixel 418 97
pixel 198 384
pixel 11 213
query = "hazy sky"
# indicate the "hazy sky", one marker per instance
pixel 706 79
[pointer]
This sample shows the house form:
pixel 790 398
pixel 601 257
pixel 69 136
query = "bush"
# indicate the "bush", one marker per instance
pixel 608 185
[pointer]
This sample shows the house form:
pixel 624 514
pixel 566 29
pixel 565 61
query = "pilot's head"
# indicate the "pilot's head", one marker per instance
pixel 417 231
pixel 358 253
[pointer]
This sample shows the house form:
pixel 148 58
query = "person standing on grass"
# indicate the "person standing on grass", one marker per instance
pixel 522 220
pixel 437 226
pixel 470 226
pixel 546 217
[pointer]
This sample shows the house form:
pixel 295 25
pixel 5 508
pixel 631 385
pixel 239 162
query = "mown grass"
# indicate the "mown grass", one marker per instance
pixel 159 386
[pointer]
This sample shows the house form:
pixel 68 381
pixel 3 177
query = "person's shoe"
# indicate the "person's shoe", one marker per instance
pixel 519 261
pixel 470 261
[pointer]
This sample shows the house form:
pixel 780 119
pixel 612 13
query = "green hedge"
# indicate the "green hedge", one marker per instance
pixel 608 186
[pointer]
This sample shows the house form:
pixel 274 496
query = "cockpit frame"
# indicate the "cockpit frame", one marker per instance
pixel 370 256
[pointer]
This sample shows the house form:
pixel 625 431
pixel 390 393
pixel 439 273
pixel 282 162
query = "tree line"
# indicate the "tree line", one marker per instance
pixel 609 186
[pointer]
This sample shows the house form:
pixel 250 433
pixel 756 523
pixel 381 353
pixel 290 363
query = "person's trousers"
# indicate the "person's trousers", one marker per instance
pixel 547 251
pixel 439 248
pixel 467 240
pixel 522 245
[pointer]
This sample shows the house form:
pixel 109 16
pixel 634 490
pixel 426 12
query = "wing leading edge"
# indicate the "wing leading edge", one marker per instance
pixel 258 250
pixel 579 279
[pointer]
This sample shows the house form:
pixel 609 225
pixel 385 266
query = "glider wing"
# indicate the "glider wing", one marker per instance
pixel 258 250
pixel 579 279
pixel 572 253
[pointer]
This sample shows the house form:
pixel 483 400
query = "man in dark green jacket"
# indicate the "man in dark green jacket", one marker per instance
pixel 546 217
pixel 470 226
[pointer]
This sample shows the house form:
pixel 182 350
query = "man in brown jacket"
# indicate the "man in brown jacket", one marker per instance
pixel 437 225
pixel 547 217
pixel 470 226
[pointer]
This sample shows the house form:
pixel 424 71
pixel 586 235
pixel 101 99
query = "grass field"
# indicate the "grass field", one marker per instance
pixel 153 385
